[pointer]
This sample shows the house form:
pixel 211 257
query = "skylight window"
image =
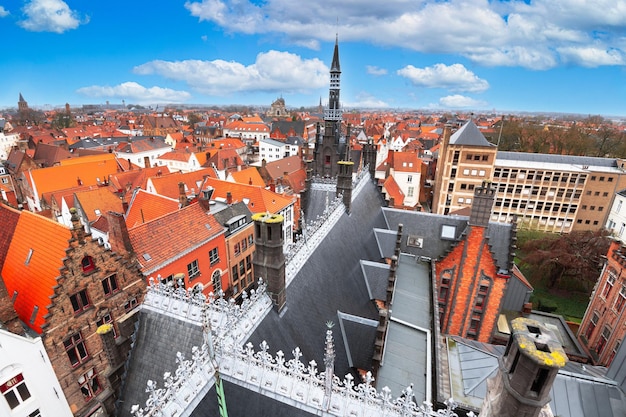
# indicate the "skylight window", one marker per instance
pixel 29 256
pixel 448 232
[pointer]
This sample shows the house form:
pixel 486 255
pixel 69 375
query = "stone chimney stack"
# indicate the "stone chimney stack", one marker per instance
pixel 110 348
pixel 269 259
pixel 118 233
pixel 182 195
pixel 482 205
pixel 78 231
pixel 344 183
pixel 521 387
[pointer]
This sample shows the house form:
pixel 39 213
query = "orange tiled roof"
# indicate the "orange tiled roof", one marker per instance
pixel 167 185
pixel 177 155
pixel 277 169
pixel 34 281
pixel 248 176
pixel 258 199
pixel 406 162
pixel 144 207
pixel 162 240
pixel 67 175
pixel 129 180
pixel 393 190
pixel 98 201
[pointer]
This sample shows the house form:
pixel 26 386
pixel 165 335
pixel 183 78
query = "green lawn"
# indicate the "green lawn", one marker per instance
pixel 569 304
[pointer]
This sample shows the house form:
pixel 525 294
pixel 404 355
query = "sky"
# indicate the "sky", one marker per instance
pixel 566 56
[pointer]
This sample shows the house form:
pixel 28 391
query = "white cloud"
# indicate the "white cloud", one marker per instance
pixel 372 70
pixel 458 101
pixel 49 16
pixel 453 77
pixel 367 101
pixel 273 71
pixel 136 92
pixel 3 12
pixel 539 35
pixel 591 56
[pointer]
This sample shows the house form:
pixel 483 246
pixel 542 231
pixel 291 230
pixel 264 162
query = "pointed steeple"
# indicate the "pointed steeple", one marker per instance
pixel 335 67
pixel 21 98
pixel 333 111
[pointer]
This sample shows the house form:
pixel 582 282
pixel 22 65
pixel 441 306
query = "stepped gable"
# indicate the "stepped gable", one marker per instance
pixel 469 135
pixel 330 281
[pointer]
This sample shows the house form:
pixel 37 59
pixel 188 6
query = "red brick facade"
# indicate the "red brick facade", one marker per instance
pixel 601 331
pixel 468 288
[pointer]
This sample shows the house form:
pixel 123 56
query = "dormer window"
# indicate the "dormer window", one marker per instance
pixel 87 264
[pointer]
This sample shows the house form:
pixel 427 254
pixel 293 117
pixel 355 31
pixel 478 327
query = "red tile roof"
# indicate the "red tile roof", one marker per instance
pixel 34 278
pixel 8 220
pixel 164 239
pixel 258 199
pixel 248 176
pixel 167 185
pixel 98 201
pixel 88 170
pixel 393 191
pixel 145 207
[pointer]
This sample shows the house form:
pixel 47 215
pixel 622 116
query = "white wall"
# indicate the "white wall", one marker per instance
pixel 616 222
pixel 21 355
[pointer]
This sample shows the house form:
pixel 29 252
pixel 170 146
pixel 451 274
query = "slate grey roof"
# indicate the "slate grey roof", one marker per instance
pixel 158 338
pixel 330 281
pixel 408 349
pixel 229 212
pixel 376 275
pixel 578 390
pixel 469 135
pixel 317 204
pixel 358 336
pixel 429 226
pixel 241 402
pixel 557 159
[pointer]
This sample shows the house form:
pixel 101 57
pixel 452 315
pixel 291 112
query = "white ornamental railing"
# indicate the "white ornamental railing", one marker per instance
pixel 289 381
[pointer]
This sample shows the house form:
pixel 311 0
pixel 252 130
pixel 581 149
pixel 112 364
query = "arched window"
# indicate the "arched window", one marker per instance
pixel 88 264
pixel 216 280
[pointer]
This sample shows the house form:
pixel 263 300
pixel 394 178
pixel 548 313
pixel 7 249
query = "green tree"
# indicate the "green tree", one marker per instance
pixel 575 257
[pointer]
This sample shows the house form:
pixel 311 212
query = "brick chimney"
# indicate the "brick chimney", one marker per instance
pixel 182 195
pixel 229 198
pixel 118 233
pixel 482 205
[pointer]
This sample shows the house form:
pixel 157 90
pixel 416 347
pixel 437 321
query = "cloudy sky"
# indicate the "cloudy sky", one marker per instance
pixel 539 55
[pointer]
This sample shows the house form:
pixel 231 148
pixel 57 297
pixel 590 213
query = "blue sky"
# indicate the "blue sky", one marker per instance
pixel 459 55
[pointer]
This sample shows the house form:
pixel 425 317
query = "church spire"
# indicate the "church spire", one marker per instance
pixel 333 112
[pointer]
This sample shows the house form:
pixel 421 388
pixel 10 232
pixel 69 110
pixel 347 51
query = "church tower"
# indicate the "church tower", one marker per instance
pixel 22 105
pixel 331 146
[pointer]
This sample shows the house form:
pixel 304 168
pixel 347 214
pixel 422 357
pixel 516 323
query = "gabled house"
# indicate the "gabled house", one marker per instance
pixel 258 200
pixel 65 287
pixel 87 170
pixel 142 150
pixel 182 161
pixel 190 249
pixel 144 207
pixel 239 233
pixel 169 185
